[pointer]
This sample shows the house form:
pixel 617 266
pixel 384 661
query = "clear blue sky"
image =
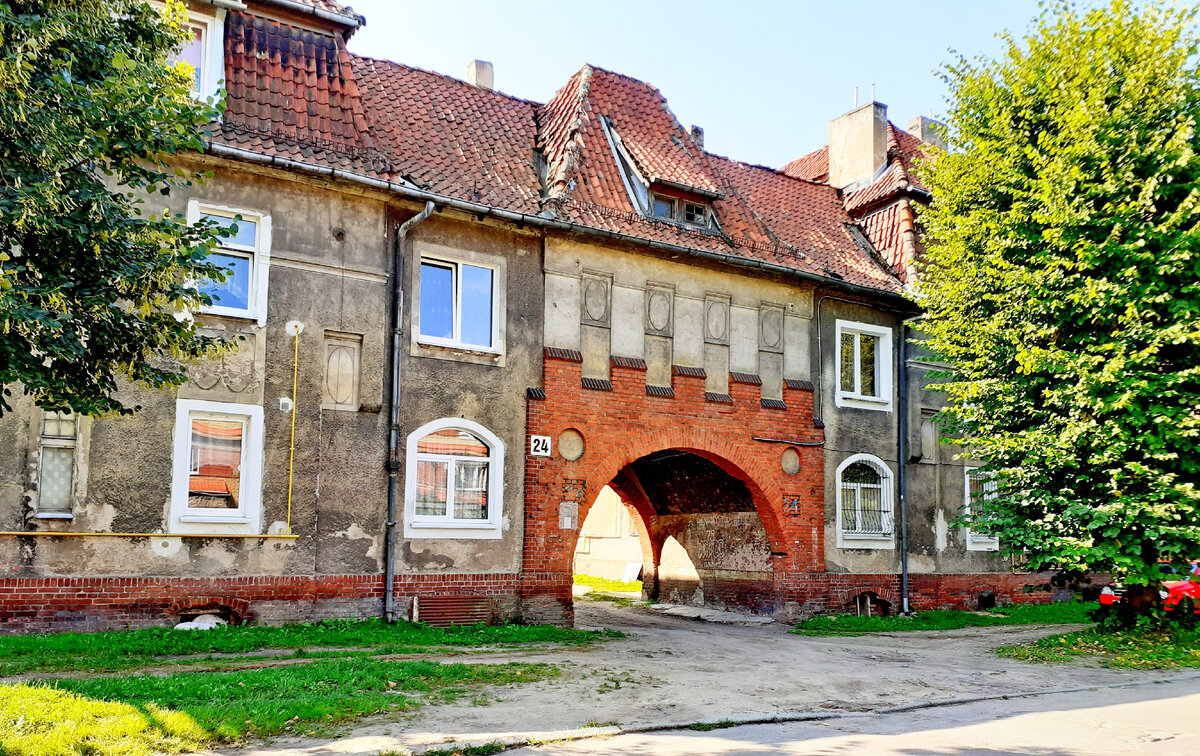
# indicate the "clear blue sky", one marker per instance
pixel 762 78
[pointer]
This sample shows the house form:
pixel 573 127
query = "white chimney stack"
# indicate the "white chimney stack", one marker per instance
pixel 857 144
pixel 480 74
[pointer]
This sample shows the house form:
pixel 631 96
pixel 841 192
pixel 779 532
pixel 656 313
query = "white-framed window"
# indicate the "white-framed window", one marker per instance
pixel 864 366
pixel 978 486
pixel 864 503
pixel 454 481
pixel 216 481
pixel 459 304
pixel 59 436
pixel 204 51
pixel 246 255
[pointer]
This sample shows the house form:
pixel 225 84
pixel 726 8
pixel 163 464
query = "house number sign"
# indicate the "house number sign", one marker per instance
pixel 539 446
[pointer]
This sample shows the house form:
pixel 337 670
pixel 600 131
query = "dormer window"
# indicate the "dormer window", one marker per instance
pixel 204 51
pixel 697 215
pixel 664 207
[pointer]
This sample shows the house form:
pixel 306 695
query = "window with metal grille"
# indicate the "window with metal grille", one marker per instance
pixel 56 476
pixel 864 499
pixel 979 487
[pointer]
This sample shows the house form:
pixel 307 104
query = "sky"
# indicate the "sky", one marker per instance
pixel 762 79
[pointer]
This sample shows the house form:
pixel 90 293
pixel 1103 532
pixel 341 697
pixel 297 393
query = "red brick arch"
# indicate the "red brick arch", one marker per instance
pixel 623 423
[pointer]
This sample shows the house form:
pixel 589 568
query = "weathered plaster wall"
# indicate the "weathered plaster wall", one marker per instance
pixel 440 382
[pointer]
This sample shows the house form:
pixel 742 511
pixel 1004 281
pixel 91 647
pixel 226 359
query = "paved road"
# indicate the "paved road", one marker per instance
pixel 1160 718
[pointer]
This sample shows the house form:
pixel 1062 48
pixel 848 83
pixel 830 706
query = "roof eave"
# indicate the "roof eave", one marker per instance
pixel 482 211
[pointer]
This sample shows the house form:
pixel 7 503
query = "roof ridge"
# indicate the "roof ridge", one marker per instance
pixel 447 77
pixel 760 166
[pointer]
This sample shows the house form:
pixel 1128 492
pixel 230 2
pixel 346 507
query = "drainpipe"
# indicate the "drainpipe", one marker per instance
pixel 393 458
pixel 902 460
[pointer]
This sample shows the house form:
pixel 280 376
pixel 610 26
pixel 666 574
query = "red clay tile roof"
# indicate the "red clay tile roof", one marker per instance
pixel 452 138
pixel 299 94
pixel 292 92
pixel 813 166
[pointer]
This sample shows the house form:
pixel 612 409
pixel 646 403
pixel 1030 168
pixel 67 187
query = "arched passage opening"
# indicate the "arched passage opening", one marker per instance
pixel 689 530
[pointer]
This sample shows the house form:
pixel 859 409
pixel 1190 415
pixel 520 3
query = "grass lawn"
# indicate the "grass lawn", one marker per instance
pixel 128 715
pixel 129 649
pixel 1134 648
pixel 604 584
pixel 1065 612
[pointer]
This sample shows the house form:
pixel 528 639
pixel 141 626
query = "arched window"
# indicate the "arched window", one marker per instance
pixel 864 503
pixel 454 486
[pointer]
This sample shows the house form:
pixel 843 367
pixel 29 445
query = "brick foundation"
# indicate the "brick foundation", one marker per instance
pixel 100 603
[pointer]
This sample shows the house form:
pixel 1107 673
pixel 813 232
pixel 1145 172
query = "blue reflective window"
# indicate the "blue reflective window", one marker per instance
pixel 476 306
pixel 234 293
pixel 437 301
pixel 245 234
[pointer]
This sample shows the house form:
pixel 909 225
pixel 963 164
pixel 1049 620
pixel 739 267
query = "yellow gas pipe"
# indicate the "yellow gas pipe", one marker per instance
pixel 298 328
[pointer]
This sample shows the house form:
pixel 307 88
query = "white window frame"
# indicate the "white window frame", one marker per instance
pixel 214 51
pixel 426 526
pixel 58 442
pixel 883 367
pixel 259 254
pixel 978 541
pixel 247 518
pixel 455 342
pixel 852 540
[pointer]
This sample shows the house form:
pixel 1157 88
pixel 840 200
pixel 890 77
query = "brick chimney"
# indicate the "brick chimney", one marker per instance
pixel 480 74
pixel 928 131
pixel 857 144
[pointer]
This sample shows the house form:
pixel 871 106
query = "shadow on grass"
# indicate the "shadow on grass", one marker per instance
pixel 124 716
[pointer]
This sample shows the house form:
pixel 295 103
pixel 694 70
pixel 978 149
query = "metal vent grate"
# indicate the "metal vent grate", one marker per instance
pixel 444 611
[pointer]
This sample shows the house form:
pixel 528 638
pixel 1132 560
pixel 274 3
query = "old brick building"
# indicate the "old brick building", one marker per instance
pixel 494 308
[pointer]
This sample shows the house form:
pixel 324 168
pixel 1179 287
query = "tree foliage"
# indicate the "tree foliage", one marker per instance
pixel 93 278
pixel 1062 285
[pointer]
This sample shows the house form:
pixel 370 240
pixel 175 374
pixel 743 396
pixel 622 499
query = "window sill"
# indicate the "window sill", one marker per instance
pixel 985 546
pixel 863 541
pixel 215 520
pixel 854 401
pixel 457 347
pixel 465 530
pixel 224 312
pixel 54 516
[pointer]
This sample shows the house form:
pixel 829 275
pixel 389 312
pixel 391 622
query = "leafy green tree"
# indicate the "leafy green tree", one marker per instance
pixel 92 278
pixel 1062 286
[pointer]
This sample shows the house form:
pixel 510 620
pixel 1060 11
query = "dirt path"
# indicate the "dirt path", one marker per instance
pixel 677 670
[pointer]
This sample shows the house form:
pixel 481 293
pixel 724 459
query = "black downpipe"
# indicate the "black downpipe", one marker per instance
pixel 902 462
pixel 393 458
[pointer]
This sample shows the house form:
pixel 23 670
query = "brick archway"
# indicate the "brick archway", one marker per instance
pixel 621 421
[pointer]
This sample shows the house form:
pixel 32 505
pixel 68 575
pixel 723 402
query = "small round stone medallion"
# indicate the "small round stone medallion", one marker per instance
pixel 570 444
pixel 790 461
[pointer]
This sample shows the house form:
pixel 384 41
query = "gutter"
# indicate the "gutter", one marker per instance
pixel 393 458
pixel 409 191
pixel 353 22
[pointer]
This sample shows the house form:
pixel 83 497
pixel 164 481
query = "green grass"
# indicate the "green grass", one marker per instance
pixel 604 584
pixel 1129 648
pixel 1065 612
pixel 134 715
pixel 128 649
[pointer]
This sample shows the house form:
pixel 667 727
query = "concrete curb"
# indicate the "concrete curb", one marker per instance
pixel 520 740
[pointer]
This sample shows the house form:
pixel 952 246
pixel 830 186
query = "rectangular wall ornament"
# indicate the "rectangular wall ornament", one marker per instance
pixel 791 506
pixel 568 515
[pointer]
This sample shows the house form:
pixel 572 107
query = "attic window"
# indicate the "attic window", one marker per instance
pixel 664 207
pixel 697 215
pixel 203 52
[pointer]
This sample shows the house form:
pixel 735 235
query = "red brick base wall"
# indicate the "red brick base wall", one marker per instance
pixel 98 603
pixel 55 604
